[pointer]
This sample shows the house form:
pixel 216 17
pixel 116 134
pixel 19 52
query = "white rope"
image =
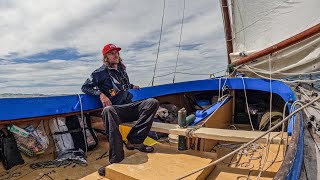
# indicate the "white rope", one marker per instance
pixel 252 141
pixel 223 86
pixel 247 105
pixel 316 104
pixel 266 72
pixel 84 124
pixel 270 121
pixel 219 87
pixel 293 81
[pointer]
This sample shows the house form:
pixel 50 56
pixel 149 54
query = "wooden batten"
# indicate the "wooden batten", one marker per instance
pixel 214 133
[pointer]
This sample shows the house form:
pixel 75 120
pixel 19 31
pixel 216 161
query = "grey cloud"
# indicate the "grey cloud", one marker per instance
pixel 87 26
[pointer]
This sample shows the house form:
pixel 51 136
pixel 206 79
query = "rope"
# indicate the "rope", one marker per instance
pixel 55 163
pixel 293 81
pixel 300 73
pixel 252 141
pixel 175 69
pixel 316 104
pixel 155 65
pixel 219 87
pixel 84 124
pixel 270 116
pixel 223 86
pixel 245 94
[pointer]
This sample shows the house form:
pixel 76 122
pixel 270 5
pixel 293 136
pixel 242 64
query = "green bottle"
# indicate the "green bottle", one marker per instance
pixel 182 121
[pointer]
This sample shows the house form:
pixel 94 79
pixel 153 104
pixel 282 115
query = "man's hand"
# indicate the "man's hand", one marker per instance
pixel 136 87
pixel 105 100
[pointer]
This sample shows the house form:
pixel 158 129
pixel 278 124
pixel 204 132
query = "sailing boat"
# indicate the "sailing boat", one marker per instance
pixel 226 138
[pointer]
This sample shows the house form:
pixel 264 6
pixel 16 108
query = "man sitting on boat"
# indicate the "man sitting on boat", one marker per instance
pixel 111 83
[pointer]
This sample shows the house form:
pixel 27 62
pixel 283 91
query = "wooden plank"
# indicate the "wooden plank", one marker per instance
pixel 214 133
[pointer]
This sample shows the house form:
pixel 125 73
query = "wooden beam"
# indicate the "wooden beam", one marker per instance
pixel 214 133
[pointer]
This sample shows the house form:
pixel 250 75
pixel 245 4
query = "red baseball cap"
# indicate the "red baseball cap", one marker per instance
pixel 109 47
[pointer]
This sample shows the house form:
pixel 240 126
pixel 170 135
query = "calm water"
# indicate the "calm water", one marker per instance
pixel 12 95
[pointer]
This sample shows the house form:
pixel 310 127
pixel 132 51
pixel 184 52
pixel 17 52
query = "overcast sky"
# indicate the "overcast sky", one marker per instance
pixel 51 47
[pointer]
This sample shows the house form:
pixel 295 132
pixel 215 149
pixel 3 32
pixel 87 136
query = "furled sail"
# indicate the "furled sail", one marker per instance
pixel 257 25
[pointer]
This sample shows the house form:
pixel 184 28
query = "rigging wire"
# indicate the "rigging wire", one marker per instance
pixel 199 74
pixel 155 65
pixel 175 69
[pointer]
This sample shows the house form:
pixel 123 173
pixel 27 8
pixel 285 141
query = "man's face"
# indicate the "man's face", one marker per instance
pixel 113 57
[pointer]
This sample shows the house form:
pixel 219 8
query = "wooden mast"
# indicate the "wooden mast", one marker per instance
pixel 227 27
pixel 277 47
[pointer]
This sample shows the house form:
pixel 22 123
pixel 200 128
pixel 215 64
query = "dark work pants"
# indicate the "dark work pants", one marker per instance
pixel 140 111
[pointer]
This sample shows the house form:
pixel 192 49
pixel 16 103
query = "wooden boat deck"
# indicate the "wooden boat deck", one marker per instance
pixel 222 171
pixel 248 166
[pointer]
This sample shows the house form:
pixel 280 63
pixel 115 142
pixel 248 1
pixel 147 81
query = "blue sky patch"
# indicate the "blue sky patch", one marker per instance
pixel 141 45
pixel 61 54
pixel 190 46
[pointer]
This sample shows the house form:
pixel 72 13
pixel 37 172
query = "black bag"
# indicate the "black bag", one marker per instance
pixel 86 140
pixel 9 152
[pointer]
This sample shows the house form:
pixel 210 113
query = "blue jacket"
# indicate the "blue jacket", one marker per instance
pixel 114 83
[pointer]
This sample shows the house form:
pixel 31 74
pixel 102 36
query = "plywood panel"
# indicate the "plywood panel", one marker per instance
pixel 165 163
